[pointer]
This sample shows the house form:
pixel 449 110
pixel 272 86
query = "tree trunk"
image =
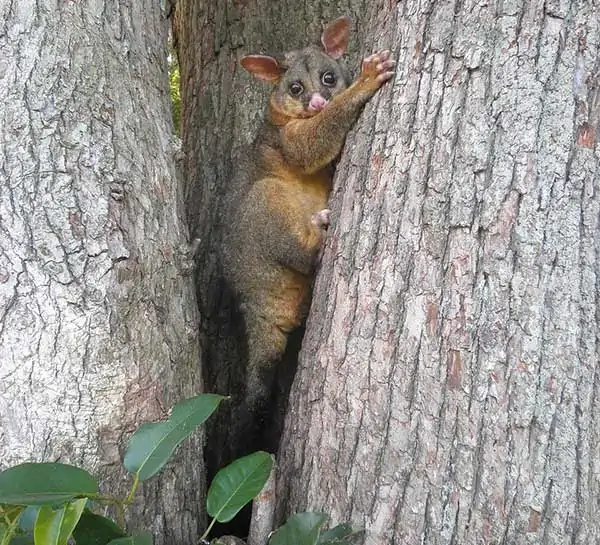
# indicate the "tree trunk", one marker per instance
pixel 448 387
pixel 98 320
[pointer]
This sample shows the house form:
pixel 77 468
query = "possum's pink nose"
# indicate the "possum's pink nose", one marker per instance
pixel 317 103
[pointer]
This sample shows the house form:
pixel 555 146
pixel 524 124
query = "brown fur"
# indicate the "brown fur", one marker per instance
pixel 272 239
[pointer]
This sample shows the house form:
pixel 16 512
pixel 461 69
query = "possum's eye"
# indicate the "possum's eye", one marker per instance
pixel 296 89
pixel 328 79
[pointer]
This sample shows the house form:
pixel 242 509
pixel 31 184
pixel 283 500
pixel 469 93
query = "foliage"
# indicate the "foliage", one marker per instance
pixel 47 503
pixel 305 529
pixel 151 446
pixel 174 88
pixel 234 486
pixel 50 503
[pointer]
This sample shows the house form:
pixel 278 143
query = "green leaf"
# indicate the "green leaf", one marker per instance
pixel 27 518
pixel 145 538
pixel 95 529
pixel 21 539
pixel 336 534
pixel 54 526
pixel 235 485
pixel 151 446
pixel 36 484
pixel 299 529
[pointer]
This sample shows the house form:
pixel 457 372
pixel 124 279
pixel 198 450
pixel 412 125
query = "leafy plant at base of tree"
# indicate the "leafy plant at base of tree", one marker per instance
pixel 48 503
pixel 305 529
pixel 45 503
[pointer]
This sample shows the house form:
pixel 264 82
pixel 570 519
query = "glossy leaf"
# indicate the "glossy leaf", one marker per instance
pixel 151 446
pixel 237 484
pixel 54 526
pixel 21 539
pixel 299 529
pixel 94 529
pixel 27 518
pixel 36 484
pixel 341 533
pixel 145 538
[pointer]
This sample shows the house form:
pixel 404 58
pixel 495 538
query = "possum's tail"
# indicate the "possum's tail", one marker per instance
pixel 266 346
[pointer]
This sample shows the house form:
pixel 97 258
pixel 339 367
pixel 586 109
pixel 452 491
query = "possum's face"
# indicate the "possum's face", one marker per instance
pixel 306 79
pixel 310 80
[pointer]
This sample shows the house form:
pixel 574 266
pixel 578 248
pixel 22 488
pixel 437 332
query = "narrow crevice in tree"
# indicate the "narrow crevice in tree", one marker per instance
pixel 221 109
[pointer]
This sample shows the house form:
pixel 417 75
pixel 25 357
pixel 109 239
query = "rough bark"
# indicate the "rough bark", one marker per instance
pixel 448 387
pixel 98 320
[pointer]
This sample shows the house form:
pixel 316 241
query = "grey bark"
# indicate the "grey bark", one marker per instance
pixel 448 387
pixel 98 318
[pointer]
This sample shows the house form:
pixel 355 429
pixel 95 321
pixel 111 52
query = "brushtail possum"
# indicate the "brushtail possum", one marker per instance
pixel 276 224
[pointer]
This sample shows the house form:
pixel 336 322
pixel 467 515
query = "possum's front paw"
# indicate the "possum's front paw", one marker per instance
pixel 376 70
pixel 321 219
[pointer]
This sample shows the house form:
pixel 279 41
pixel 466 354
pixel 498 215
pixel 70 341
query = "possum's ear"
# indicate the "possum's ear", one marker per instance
pixel 263 67
pixel 335 37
